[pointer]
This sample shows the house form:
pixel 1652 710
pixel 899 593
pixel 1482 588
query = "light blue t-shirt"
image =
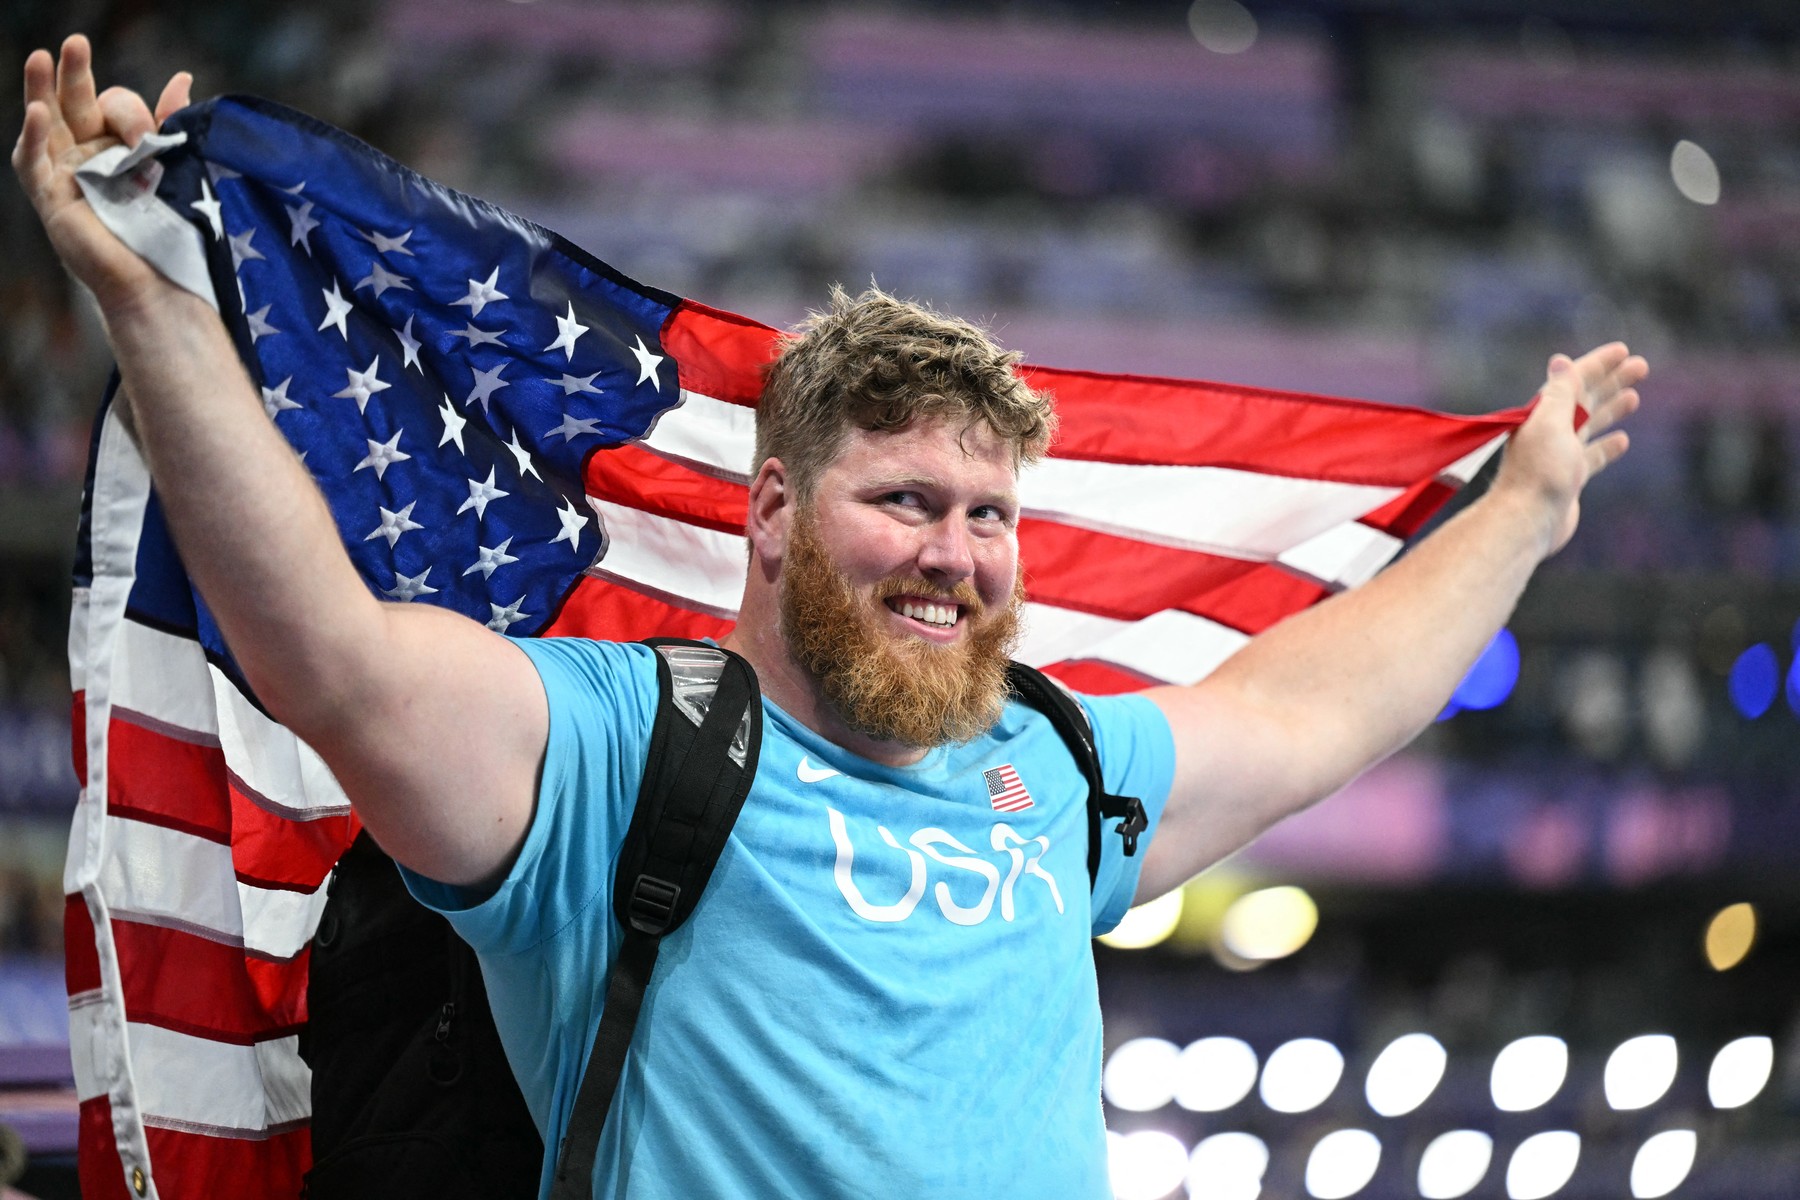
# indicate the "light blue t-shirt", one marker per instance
pixel 887 988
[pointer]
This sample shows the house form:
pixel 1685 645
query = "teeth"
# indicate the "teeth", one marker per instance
pixel 931 614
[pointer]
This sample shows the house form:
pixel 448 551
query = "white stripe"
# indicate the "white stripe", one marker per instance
pixel 690 563
pixel 1171 646
pixel 165 677
pixel 1464 468
pixel 1347 555
pixel 1220 510
pixel 79 600
pixel 167 877
pixel 189 1082
pixel 708 433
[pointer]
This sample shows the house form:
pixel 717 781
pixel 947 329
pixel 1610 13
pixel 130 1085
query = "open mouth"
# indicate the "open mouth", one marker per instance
pixel 932 613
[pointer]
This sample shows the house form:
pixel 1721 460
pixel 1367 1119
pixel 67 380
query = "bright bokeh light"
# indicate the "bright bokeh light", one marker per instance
pixel 1528 1072
pixel 1214 1073
pixel 1454 1163
pixel 1640 1071
pixel 1146 1165
pixel 1740 1071
pixel 1695 173
pixel 1542 1164
pixel 1140 1075
pixel 1300 1074
pixel 1729 936
pixel 1793 686
pixel 1269 923
pixel 1222 26
pixel 1147 924
pixel 1405 1074
pixel 1227 1166
pixel 1491 680
pixel 1662 1163
pixel 1754 677
pixel 1342 1164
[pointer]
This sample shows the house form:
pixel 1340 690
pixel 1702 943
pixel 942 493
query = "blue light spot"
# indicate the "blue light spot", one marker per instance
pixel 1793 687
pixel 1754 678
pixel 1490 681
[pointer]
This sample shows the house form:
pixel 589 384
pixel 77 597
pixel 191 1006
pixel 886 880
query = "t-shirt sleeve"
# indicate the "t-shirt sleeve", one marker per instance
pixel 602 698
pixel 1137 758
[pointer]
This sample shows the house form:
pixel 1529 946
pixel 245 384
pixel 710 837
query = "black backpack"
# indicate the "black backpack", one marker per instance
pixel 411 1091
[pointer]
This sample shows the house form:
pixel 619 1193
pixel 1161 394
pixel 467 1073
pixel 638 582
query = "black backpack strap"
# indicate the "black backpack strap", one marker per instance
pixel 1047 696
pixel 702 759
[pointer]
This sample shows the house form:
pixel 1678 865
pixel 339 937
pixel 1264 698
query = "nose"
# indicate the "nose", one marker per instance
pixel 947 555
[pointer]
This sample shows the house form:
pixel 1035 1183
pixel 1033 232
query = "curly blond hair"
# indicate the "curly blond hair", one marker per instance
pixel 880 363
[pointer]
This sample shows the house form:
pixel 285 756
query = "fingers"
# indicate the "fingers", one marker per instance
pixel 75 90
pixel 1606 451
pixel 174 96
pixel 1611 411
pixel 126 118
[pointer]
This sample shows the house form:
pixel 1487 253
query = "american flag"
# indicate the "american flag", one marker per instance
pixel 1006 791
pixel 505 425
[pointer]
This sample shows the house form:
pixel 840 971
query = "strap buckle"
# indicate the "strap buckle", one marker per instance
pixel 652 904
pixel 1135 822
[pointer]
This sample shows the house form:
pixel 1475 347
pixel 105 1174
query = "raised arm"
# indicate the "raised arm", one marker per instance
pixel 434 726
pixel 1313 702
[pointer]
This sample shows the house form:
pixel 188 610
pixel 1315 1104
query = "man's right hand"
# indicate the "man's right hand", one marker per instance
pixel 66 124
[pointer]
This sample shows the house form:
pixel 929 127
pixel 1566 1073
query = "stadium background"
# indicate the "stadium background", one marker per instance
pixel 1392 199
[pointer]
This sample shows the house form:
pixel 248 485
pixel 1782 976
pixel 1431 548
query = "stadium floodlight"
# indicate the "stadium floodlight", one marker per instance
pixel 1640 1071
pixel 1542 1164
pixel 1662 1163
pixel 1405 1074
pixel 1528 1072
pixel 1740 1071
pixel 1145 1165
pixel 1300 1075
pixel 1454 1163
pixel 1342 1164
pixel 1214 1073
pixel 1227 1166
pixel 1140 1074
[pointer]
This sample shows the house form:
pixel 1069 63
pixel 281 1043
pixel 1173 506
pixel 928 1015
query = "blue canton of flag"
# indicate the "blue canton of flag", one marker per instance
pixel 442 367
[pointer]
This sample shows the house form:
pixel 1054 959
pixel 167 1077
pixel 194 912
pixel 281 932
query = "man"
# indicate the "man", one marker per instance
pixel 827 1024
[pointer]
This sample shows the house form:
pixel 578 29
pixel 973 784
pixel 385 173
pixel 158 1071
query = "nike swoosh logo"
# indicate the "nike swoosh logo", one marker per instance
pixel 811 774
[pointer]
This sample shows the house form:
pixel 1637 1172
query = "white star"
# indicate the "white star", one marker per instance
pixel 382 455
pixel 336 309
pixel 389 245
pixel 381 279
pixel 486 384
pixel 453 425
pixel 488 560
pixel 276 400
pixel 526 466
pixel 215 172
pixel 303 224
pixel 409 348
pixel 208 207
pixel 362 385
pixel 510 615
pixel 480 493
pixel 567 330
pixel 478 337
pixel 409 587
pixel 296 189
pixel 572 428
pixel 647 364
pixel 241 249
pixel 573 523
pixel 393 524
pixel 259 324
pixel 584 383
pixel 482 294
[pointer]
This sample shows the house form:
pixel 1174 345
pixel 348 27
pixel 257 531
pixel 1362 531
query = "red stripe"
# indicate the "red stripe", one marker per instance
pixel 719 354
pixel 78 735
pixel 97 1158
pixel 633 476
pixel 1407 513
pixel 600 608
pixel 179 981
pixel 1136 419
pixel 194 1164
pixel 1098 678
pixel 272 850
pixel 81 957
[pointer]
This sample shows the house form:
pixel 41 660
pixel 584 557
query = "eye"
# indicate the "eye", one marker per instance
pixel 991 513
pixel 904 499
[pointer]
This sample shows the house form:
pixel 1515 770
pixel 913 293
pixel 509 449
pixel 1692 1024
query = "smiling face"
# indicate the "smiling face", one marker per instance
pixel 899 583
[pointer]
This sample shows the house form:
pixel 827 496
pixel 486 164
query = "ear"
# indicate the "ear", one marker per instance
pixel 772 505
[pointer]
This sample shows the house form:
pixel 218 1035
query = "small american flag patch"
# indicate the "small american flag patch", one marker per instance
pixel 1006 791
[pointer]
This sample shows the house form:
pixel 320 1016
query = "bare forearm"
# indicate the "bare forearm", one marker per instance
pixel 252 528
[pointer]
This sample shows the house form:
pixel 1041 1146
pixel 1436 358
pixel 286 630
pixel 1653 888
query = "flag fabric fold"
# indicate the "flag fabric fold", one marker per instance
pixel 504 425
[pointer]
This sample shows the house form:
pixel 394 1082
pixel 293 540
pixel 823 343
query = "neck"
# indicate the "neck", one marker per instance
pixel 796 690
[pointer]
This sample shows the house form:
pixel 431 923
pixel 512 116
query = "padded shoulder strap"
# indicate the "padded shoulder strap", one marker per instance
pixel 702 760
pixel 1066 716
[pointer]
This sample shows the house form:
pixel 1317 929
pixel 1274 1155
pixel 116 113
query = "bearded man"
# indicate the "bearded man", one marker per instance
pixel 825 1024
